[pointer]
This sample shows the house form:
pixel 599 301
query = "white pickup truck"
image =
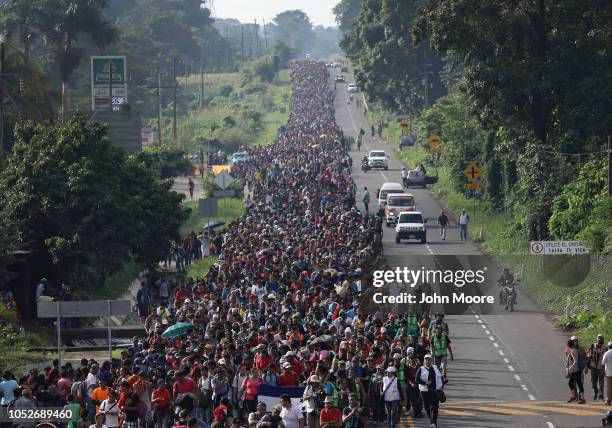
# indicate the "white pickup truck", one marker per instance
pixel 378 159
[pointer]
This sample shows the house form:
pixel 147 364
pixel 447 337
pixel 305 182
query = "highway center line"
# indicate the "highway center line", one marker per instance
pixel 501 353
pixel 517 377
pixel 477 317
pixel 507 361
pixel 496 345
pixel 511 368
pixel 480 322
pixel 491 338
pixel 487 331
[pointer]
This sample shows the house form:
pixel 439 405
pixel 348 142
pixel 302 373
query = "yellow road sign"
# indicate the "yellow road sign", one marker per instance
pixel 218 169
pixel 473 172
pixel 473 185
pixel 433 141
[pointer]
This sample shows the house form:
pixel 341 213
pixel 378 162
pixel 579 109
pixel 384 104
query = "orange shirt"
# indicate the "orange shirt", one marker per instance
pixel 99 394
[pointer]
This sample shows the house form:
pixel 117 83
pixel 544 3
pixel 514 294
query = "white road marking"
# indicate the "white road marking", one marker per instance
pixel 487 331
pixel 476 316
pixel 507 361
pixel 524 388
pixel 496 345
pixel 483 326
pixel 491 338
pixel 511 368
pixel 501 353
pixel 550 425
pixel 480 322
pixel 531 397
pixel 517 377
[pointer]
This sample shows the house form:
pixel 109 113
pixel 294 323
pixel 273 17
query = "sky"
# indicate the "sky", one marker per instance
pixel 319 11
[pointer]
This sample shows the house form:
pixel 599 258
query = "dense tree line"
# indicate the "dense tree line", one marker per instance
pixel 67 192
pixel 528 87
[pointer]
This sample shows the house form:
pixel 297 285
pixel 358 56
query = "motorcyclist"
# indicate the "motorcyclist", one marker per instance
pixel 506 280
pixel 364 163
pixel 404 174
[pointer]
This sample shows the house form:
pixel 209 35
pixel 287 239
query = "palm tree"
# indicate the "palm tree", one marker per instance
pixel 61 23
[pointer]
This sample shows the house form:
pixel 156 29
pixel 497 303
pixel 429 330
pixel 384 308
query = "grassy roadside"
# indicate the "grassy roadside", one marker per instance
pixel 235 113
pixel 229 210
pixel 14 347
pixel 579 302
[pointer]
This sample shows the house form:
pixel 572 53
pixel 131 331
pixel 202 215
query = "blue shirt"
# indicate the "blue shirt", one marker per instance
pixel 7 387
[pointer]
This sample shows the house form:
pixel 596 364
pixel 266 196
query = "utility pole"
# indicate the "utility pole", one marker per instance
pixel 426 74
pixel 201 77
pixel 174 95
pixel 159 109
pixel 1 91
pixel 265 33
pixel 609 166
pixel 250 48
pixel 257 47
pixel 241 43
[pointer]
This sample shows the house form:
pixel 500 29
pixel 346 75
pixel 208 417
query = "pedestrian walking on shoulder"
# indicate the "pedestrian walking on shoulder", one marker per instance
pixel 573 371
pixel 464 219
pixel 595 364
pixel 607 364
pixel 442 222
pixel 191 185
pixel 366 198
pixel 429 379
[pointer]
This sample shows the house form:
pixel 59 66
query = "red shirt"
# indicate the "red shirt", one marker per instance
pixel 289 378
pixel 220 413
pixel 330 414
pixel 262 362
pixel 165 398
pixel 187 385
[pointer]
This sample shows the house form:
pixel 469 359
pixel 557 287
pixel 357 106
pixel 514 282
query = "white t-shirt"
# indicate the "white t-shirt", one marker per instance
pixel 92 379
pixel 607 362
pixel 391 392
pixel 112 413
pixel 463 219
pixel 292 416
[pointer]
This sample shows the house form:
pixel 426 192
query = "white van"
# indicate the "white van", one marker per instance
pixel 385 190
pixel 398 203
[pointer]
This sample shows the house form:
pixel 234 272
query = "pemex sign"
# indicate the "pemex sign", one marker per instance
pixel 108 73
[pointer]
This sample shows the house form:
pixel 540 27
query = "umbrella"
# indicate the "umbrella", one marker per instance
pixel 322 339
pixel 213 224
pixel 177 330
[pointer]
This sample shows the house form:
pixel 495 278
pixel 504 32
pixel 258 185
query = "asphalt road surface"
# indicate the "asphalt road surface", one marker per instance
pixel 508 369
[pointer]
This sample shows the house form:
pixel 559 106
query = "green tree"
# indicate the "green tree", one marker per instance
pixel 346 13
pixel 583 208
pixel 295 29
pixel 284 53
pixel 72 194
pixel 522 60
pixel 62 23
pixel 388 66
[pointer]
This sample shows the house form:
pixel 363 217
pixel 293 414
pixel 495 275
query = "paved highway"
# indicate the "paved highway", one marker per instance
pixel 508 368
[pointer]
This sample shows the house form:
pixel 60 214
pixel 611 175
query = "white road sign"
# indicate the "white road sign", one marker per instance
pixel 224 180
pixel 558 247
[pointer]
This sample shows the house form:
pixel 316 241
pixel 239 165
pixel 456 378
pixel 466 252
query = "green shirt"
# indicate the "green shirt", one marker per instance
pixel 76 414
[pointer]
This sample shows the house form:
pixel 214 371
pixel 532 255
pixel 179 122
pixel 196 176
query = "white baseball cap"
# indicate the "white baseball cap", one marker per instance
pixel 428 356
pixel 391 369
